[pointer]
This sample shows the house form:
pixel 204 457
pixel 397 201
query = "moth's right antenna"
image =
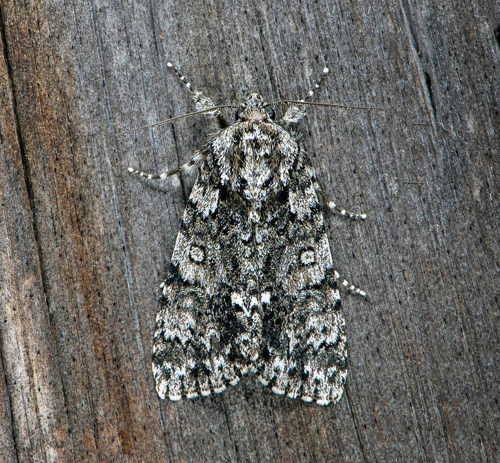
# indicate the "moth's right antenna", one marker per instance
pixel 297 111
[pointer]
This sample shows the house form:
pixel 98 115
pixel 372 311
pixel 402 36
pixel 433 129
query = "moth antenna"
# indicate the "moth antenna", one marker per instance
pixel 183 116
pixel 326 105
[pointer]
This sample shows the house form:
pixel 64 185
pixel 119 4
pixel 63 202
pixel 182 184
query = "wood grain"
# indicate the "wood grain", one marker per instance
pixel 84 245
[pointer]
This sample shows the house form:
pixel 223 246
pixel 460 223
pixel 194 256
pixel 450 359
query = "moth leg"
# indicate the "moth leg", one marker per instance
pixel 317 85
pixel 195 161
pixel 296 112
pixel 201 101
pixel 335 208
pixel 349 286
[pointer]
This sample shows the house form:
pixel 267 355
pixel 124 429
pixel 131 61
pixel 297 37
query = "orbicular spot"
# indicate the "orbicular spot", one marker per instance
pixel 197 253
pixel 307 257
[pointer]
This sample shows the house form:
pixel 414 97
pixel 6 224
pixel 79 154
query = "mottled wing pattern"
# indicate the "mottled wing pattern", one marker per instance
pixel 304 344
pixel 251 284
pixel 206 333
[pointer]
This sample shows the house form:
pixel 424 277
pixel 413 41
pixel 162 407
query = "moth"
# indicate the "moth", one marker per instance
pixel 252 286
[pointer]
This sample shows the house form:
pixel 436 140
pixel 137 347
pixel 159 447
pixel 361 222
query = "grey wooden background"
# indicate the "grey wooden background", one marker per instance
pixel 84 244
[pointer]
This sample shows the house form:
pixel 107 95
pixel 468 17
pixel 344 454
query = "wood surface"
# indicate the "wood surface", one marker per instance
pixel 84 244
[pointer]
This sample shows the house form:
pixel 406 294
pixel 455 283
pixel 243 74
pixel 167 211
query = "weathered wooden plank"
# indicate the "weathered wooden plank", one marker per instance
pixel 84 245
pixel 32 406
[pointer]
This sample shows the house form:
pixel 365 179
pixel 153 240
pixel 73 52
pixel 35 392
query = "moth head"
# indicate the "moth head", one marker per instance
pixel 255 109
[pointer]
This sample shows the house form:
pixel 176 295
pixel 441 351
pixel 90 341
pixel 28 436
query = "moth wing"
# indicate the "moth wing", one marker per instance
pixel 195 347
pixel 304 351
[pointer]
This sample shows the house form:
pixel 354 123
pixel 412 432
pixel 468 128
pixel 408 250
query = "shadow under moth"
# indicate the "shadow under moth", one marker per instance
pixel 251 286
